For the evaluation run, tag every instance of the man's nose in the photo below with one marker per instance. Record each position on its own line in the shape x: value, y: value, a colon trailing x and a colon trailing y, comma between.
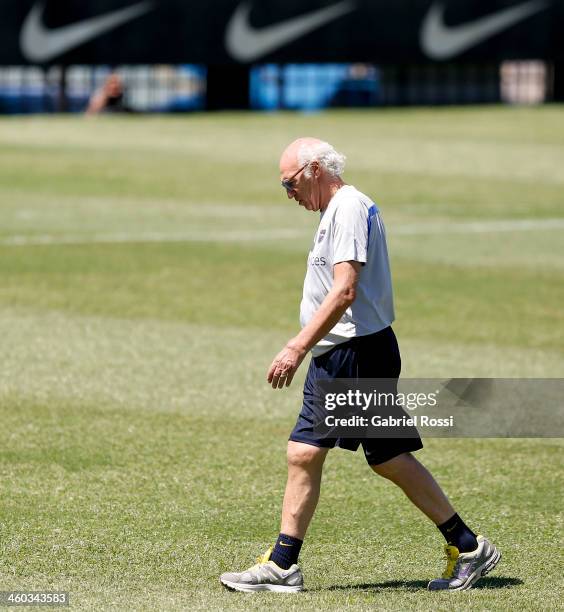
x: 290, y: 193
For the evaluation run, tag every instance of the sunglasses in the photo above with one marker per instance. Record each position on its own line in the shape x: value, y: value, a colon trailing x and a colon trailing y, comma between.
x: 290, y: 183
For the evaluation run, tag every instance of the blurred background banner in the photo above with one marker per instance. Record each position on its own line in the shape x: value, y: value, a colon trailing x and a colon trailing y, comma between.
x: 242, y: 31
x: 240, y: 54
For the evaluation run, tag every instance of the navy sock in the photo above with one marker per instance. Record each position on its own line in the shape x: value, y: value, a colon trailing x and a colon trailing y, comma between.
x: 286, y: 551
x: 457, y: 533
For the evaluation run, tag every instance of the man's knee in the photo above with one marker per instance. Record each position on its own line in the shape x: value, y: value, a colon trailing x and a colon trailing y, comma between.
x: 391, y: 468
x: 305, y: 456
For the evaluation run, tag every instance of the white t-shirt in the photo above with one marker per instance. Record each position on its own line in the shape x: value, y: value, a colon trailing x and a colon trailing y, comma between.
x: 350, y: 230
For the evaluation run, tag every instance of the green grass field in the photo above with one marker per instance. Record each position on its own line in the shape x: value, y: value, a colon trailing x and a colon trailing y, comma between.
x: 150, y: 268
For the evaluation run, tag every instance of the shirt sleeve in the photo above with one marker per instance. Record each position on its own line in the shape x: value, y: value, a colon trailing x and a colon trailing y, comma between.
x: 350, y: 232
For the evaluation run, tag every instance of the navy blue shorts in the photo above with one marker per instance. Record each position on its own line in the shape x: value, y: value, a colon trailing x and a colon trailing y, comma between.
x: 373, y: 356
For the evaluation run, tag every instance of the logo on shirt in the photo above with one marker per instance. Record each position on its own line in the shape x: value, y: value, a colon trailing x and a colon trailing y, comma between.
x: 317, y: 261
x: 321, y: 235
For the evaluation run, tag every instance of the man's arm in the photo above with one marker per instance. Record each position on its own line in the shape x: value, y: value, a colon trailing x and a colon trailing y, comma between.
x: 339, y: 298
x: 97, y: 102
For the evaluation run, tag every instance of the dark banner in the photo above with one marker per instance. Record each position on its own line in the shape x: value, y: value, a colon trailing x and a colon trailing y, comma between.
x: 251, y: 31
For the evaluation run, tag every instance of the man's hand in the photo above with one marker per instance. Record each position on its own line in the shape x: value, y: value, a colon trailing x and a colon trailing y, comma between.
x: 285, y: 364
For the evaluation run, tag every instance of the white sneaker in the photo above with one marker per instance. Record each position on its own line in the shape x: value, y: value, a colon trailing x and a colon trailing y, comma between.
x: 463, y: 570
x: 265, y: 576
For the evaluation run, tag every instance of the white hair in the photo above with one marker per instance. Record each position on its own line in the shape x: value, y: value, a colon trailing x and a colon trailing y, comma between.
x: 325, y: 154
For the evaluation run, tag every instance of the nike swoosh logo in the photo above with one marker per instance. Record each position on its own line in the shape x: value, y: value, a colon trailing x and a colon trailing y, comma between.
x: 284, y: 544
x: 40, y: 44
x: 245, y: 43
x: 441, y: 42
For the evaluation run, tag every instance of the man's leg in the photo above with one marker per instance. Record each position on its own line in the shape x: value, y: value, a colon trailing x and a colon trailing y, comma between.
x: 305, y: 465
x: 278, y: 571
x: 468, y: 557
x: 418, y: 484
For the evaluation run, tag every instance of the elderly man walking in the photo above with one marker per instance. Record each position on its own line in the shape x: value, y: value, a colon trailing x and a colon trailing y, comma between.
x: 346, y: 315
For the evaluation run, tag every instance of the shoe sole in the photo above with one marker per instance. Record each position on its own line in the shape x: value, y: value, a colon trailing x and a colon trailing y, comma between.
x: 256, y: 588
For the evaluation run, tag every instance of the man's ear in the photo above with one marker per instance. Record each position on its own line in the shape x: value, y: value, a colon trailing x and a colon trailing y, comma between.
x: 316, y: 169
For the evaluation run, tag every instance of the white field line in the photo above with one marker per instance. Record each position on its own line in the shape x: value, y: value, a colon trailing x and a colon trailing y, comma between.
x: 480, y: 227
x: 119, y: 238
x: 472, y: 227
